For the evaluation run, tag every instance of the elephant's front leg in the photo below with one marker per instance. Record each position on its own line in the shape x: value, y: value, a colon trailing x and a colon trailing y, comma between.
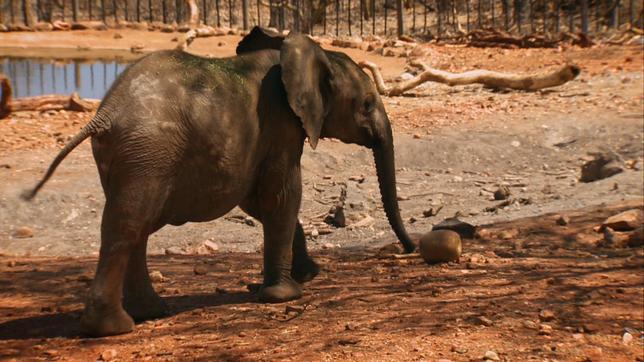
x: 279, y: 204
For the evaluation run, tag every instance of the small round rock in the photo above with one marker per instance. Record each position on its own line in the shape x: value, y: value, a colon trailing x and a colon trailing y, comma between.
x: 440, y: 246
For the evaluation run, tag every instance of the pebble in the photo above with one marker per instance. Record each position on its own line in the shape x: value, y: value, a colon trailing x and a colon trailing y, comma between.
x: 627, y: 338
x: 545, y: 330
x: 546, y: 315
x: 508, y: 234
x: 211, y: 246
x: 459, y: 349
x: 200, y: 269
x: 563, y: 220
x: 156, y: 276
x: 109, y: 354
x: 502, y: 193
x: 175, y: 250
x: 327, y: 246
x: 530, y: 324
x: 23, y: 233
x: 491, y: 356
x: 485, y: 321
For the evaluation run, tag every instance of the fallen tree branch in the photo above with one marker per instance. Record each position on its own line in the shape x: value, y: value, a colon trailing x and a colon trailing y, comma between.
x: 54, y: 102
x: 490, y: 79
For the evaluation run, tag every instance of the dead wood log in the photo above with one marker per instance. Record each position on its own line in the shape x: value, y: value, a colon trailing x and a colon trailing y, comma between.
x: 54, y: 102
x: 490, y: 79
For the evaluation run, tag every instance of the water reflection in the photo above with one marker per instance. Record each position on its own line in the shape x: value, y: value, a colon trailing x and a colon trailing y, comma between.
x: 36, y: 76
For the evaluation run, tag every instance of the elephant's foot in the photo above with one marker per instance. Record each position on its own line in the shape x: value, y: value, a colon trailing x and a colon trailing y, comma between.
x: 285, y: 290
x: 145, y: 307
x: 101, y: 322
x: 305, y: 270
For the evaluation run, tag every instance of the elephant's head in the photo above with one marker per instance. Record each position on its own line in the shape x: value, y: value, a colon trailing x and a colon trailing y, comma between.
x: 333, y: 97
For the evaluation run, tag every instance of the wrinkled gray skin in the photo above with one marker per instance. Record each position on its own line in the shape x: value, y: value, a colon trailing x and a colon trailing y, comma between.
x: 181, y: 138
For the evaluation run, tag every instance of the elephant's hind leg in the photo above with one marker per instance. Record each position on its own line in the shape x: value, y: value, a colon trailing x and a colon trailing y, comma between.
x: 140, y: 299
x: 129, y: 212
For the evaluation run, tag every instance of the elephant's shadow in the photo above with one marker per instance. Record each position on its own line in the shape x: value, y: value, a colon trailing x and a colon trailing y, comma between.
x: 65, y: 324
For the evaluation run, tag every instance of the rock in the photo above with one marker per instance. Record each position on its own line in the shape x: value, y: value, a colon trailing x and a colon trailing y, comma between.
x: 459, y: 349
x: 530, y: 325
x: 137, y: 48
x: 602, y: 166
x: 61, y: 25
x: 562, y: 220
x: 23, y: 233
x: 624, y: 221
x: 327, y: 246
x: 636, y: 238
x: 491, y: 356
x: 109, y: 354
x: 336, y: 216
x: 440, y: 246
x: 546, y: 315
x: 200, y: 269
x: 614, y: 239
x: 41, y: 26
x: 484, y: 321
x: 156, y: 276
x: 211, y: 246
x: 118, y: 36
x: 390, y: 249
x: 545, y: 330
x: 11, y: 263
x: 502, y: 193
x: 627, y: 338
x: 175, y: 250
x: 432, y: 211
x: 464, y: 229
x: 508, y: 234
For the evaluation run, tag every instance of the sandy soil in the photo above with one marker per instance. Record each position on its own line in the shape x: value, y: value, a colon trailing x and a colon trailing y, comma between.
x: 454, y: 146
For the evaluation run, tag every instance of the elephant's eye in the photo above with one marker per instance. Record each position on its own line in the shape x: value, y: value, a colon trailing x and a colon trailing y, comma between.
x: 369, y: 104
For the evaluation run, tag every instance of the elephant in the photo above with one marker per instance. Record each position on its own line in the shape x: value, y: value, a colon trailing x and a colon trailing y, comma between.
x: 182, y: 138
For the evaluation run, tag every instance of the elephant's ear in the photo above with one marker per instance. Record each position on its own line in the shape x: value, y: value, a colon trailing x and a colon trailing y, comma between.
x: 306, y: 74
x: 258, y: 39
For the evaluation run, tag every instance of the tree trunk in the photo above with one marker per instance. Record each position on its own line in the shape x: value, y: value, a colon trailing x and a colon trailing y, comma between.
x: 28, y: 12
x: 194, y: 13
x: 400, y: 17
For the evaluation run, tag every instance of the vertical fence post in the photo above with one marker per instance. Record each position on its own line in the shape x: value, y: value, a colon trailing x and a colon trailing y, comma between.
x: 401, y: 17
x: 349, y: 15
x: 138, y: 11
x: 506, y: 14
x: 614, y: 14
x: 324, y: 17
x: 75, y: 10
x: 164, y: 11
x: 204, y: 6
x: 518, y: 11
x: 361, y: 15
x: 557, y: 16
x: 631, y: 8
x: 571, y: 18
x: 230, y: 13
x: 438, y: 18
x: 480, y: 16
x: 493, y: 14
x: 245, y: 14
x: 373, y: 17
x: 62, y: 11
x: 545, y: 17
x: 425, y: 16
x: 385, y: 2
x: 218, y: 16
x: 531, y: 4
x: 126, y: 14
x: 114, y: 8
x: 453, y: 11
x: 150, y: 14
x: 467, y: 13
x: 584, y: 16
x: 598, y: 20
x: 337, y: 17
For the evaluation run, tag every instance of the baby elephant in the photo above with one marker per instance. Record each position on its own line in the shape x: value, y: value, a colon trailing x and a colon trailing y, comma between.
x: 182, y: 138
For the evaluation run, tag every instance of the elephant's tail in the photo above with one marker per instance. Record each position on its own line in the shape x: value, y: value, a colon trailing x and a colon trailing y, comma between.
x: 95, y: 127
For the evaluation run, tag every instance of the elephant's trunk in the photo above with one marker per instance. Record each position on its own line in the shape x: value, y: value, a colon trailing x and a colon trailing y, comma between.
x: 383, y: 153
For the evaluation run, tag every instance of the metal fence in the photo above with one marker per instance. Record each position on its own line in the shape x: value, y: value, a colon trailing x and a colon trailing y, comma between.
x: 438, y: 18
